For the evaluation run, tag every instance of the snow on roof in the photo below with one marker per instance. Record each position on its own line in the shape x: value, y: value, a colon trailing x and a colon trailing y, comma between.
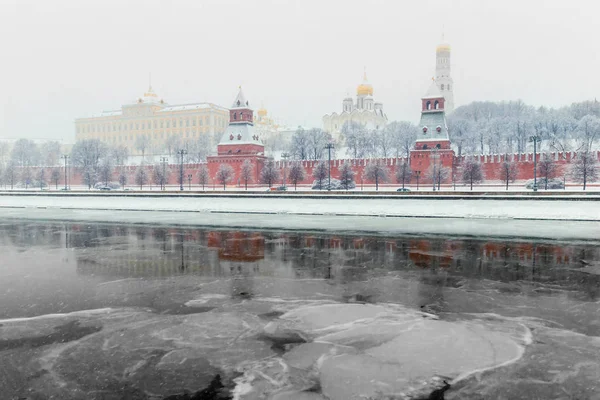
x: 240, y: 101
x: 192, y: 106
x: 433, y: 92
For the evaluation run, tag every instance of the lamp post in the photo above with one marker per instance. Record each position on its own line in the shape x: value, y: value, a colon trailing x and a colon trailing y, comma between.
x: 42, y: 179
x: 181, y: 153
x: 329, y: 146
x: 418, y: 175
x: 189, y: 182
x: 66, y: 158
x: 535, y: 139
x: 285, y: 156
x: 164, y: 160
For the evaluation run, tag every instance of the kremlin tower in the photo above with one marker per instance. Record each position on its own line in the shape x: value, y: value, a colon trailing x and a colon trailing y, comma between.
x: 239, y: 142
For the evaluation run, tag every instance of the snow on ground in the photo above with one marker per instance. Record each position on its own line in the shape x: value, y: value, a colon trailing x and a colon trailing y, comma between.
x: 557, y: 219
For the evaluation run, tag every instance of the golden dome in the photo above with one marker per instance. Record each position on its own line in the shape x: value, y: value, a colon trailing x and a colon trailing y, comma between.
x: 443, y: 47
x: 364, y: 88
x: 262, y: 112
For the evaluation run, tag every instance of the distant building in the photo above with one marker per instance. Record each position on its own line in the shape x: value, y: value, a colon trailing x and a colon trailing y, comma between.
x: 151, y: 116
x: 363, y: 111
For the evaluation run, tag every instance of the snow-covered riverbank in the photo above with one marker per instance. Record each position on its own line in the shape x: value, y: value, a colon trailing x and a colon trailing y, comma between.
x: 556, y: 219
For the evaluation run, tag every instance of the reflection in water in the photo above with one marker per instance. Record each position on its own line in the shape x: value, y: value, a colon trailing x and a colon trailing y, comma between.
x: 113, y: 252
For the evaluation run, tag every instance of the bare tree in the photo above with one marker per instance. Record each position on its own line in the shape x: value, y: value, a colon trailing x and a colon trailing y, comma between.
x: 403, y: 135
x: 141, y: 176
x: 508, y: 171
x: 10, y: 174
x: 355, y: 138
x: 437, y: 174
x: 41, y: 178
x: 471, y: 172
x: 376, y: 171
x: 548, y: 168
x: 246, y: 172
x: 317, y: 139
x: 142, y: 143
x: 403, y: 173
x: 55, y: 176
x: 296, y: 174
x: 224, y: 174
x: 320, y: 172
x: 197, y: 149
x: 26, y: 176
x: 160, y: 174
x: 346, y: 175
x: 203, y: 175
x: 584, y: 169
x: 105, y: 170
x: 269, y: 173
x: 122, y: 176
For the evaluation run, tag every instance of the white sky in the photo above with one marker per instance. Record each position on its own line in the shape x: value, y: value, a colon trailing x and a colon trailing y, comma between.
x: 63, y: 59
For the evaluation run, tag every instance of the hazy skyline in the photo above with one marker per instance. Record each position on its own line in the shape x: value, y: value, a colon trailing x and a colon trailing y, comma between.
x: 63, y: 60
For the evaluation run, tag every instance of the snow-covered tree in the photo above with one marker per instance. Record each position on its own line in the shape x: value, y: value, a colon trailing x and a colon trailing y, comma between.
x: 197, y: 149
x: 300, y: 145
x: 105, y: 170
x: 507, y: 171
x: 86, y: 156
x: 172, y: 144
x: 55, y: 176
x: 376, y: 171
x: 403, y: 173
x: 203, y: 175
x: 437, y: 174
x: 224, y: 174
x: 141, y: 176
x: 50, y: 153
x: 584, y: 168
x: 403, y: 135
x: 355, y: 138
x: 317, y: 139
x: 588, y: 131
x: 25, y: 153
x: 472, y: 172
x: 142, y: 143
x: 297, y: 173
x: 320, y: 173
x: 119, y: 154
x: 246, y: 172
x: 269, y: 174
x: 547, y: 168
x: 346, y: 176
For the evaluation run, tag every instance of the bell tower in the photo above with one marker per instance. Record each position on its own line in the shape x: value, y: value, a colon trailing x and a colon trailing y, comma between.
x: 442, y: 75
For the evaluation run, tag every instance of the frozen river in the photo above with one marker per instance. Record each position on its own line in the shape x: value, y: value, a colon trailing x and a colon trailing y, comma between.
x: 92, y: 310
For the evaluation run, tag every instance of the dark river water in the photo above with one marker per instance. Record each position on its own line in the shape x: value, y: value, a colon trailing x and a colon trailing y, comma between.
x: 54, y: 268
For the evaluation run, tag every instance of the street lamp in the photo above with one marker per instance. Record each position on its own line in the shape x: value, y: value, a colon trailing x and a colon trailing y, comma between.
x: 329, y: 146
x: 418, y: 175
x: 181, y: 153
x: 66, y: 158
x: 535, y: 139
x: 190, y: 182
x: 164, y: 160
x: 285, y: 156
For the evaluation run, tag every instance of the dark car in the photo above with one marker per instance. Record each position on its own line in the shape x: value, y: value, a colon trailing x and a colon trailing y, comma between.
x: 105, y: 188
x: 403, y: 190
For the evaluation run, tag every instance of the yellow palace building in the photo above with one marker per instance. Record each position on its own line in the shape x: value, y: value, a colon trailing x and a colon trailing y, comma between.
x: 152, y: 117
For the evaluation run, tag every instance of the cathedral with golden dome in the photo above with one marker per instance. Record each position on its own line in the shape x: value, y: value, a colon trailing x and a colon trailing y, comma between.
x: 364, y: 110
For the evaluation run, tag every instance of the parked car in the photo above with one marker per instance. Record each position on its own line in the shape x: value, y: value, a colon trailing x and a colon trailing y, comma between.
x: 104, y: 188
x: 403, y: 190
x: 282, y: 188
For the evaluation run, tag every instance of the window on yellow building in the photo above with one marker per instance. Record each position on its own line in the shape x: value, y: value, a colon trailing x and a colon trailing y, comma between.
x: 168, y: 124
x: 187, y: 122
x: 161, y: 124
x: 194, y: 122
